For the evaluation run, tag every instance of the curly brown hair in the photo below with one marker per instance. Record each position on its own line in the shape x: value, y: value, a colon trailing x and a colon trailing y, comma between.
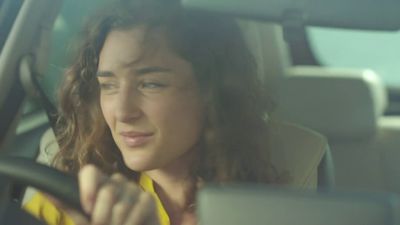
x: 233, y: 144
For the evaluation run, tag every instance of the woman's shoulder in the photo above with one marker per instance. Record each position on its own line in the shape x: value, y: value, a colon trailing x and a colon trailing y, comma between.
x: 43, y: 209
x: 296, y: 150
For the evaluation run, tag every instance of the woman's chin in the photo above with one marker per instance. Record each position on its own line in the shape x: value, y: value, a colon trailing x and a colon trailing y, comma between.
x: 139, y: 164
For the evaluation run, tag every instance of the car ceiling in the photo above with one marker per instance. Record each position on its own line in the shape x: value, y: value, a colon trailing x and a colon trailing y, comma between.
x: 354, y: 14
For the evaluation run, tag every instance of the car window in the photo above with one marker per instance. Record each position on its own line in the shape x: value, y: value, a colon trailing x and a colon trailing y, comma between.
x: 376, y: 50
x: 65, y: 29
x: 8, y: 12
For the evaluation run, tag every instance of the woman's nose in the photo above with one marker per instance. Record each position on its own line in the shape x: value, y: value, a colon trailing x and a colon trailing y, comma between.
x: 127, y: 107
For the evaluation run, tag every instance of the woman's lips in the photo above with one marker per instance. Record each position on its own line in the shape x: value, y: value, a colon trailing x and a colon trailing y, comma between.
x: 135, y: 139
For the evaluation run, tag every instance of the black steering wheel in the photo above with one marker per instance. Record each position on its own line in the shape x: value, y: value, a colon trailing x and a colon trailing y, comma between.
x: 27, y: 172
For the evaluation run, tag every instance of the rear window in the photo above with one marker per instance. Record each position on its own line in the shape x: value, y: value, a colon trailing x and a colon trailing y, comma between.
x: 375, y: 50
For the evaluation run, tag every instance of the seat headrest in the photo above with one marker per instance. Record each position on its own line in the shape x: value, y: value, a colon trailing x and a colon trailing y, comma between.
x: 339, y: 103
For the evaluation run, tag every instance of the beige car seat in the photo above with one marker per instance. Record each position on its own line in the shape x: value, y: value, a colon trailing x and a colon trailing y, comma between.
x: 347, y: 106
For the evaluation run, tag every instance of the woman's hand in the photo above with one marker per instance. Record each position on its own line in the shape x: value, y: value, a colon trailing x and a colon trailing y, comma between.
x: 112, y: 200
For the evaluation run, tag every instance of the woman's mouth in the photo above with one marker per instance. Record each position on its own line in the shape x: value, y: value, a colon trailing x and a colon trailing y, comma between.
x: 135, y: 139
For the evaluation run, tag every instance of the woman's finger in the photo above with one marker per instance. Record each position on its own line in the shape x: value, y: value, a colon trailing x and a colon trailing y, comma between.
x: 90, y: 179
x: 113, y: 200
x: 143, y: 212
x: 126, y: 202
x: 106, y: 198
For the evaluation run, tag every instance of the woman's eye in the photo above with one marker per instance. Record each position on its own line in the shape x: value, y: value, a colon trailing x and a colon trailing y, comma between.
x: 107, y: 86
x: 152, y: 85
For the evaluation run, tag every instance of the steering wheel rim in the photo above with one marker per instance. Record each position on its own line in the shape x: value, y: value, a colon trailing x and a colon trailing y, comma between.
x: 30, y: 173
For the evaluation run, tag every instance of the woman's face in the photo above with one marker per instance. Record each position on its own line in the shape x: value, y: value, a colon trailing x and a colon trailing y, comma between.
x: 149, y: 99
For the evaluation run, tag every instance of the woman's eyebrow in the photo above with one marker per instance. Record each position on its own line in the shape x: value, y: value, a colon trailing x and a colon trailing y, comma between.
x: 152, y: 69
x: 138, y: 72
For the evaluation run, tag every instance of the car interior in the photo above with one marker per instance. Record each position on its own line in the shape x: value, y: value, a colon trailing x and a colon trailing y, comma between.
x: 351, y: 112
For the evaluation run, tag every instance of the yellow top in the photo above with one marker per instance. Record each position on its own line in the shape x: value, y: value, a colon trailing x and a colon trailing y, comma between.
x: 43, y: 209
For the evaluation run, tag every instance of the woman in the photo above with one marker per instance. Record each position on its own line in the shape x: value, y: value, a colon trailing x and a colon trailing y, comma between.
x: 160, y: 101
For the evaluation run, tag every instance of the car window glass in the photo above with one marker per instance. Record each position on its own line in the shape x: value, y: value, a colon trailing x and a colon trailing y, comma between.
x: 66, y: 27
x: 8, y: 12
x: 376, y: 50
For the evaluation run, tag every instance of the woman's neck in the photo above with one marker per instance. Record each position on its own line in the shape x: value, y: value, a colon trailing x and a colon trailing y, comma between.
x: 176, y: 188
x: 176, y: 194
x: 172, y: 185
